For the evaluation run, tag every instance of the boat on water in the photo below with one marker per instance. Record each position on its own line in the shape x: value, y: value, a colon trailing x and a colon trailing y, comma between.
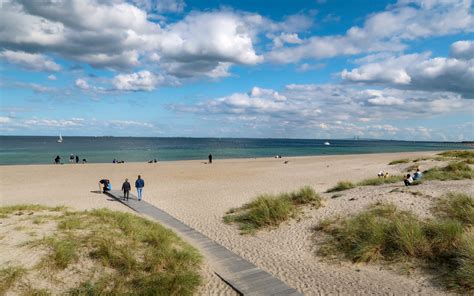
x: 60, y: 139
x: 327, y: 143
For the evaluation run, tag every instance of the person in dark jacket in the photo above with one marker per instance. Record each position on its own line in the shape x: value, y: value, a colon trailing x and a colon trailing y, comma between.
x: 106, y: 185
x: 139, y: 184
x: 210, y: 158
x: 126, y: 189
x: 57, y: 160
x: 77, y: 159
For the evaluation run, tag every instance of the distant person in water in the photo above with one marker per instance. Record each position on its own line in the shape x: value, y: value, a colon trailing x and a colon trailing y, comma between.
x: 71, y: 158
x: 139, y: 184
x: 57, y: 160
x: 210, y: 158
x: 126, y: 189
x: 106, y: 186
x: 114, y: 161
x: 77, y: 159
x: 408, y: 180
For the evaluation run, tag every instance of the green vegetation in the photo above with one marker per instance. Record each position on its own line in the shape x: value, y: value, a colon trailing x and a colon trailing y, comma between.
x: 342, y: 185
x: 380, y: 181
x: 270, y: 210
x: 28, y: 208
x: 403, y: 160
x: 9, y: 276
x: 384, y: 233
x: 458, y: 154
x: 453, y: 171
x: 130, y: 255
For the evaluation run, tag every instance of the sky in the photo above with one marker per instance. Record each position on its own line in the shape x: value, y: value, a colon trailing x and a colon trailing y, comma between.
x: 315, y: 69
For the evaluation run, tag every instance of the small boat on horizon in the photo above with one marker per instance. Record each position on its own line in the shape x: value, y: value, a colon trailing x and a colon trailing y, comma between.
x: 327, y: 143
x: 60, y: 139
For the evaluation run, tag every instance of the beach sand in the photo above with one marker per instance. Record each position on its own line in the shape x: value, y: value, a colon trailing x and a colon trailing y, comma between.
x: 199, y: 194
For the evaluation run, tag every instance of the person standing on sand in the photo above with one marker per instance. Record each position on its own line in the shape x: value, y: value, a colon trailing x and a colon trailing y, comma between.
x: 57, y: 160
x: 126, y: 189
x: 139, y: 184
x: 77, y: 159
x: 210, y: 158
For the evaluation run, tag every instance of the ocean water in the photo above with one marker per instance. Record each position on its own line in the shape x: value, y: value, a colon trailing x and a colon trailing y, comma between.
x: 42, y: 150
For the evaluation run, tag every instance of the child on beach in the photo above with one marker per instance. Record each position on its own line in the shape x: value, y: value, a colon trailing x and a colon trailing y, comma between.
x: 408, y: 180
x: 126, y: 189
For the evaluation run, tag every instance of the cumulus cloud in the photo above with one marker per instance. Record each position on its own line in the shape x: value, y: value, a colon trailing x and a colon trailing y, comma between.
x: 418, y: 71
x: 36, y: 62
x: 82, y: 84
x: 161, y: 6
x: 139, y: 81
x: 52, y: 77
x: 4, y: 119
x: 463, y: 49
x: 386, y: 31
x: 302, y: 109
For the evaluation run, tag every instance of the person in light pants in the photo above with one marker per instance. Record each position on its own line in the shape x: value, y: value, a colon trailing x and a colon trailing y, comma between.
x: 139, y: 184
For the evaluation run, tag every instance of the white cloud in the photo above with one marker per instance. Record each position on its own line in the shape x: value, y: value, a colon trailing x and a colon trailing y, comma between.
x: 161, y: 6
x: 36, y: 62
x: 52, y: 77
x: 463, y: 49
x: 139, y: 81
x: 285, y: 38
x: 418, y: 71
x: 4, y: 120
x: 82, y: 84
x: 386, y: 31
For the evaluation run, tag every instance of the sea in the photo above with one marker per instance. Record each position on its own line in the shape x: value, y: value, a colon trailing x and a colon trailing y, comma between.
x: 20, y: 150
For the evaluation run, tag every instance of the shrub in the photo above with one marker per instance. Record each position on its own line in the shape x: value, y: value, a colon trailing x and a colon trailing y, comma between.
x: 341, y: 186
x: 404, y: 160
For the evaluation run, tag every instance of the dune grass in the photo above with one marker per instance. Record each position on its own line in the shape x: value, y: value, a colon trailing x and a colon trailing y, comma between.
x: 398, y: 161
x: 380, y: 181
x: 271, y: 210
x: 341, y: 186
x: 453, y: 171
x: 9, y: 276
x: 130, y: 255
x: 6, y: 210
x: 458, y: 154
x: 383, y: 233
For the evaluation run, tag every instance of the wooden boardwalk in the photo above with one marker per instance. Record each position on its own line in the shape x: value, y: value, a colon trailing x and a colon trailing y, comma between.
x: 243, y: 276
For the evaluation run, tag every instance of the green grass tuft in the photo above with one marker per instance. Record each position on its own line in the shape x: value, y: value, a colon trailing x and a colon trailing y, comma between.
x: 458, y: 153
x: 31, y: 208
x: 341, y: 186
x: 9, y: 276
x: 453, y: 171
x: 381, y: 181
x: 270, y: 210
x: 404, y: 160
x: 384, y: 233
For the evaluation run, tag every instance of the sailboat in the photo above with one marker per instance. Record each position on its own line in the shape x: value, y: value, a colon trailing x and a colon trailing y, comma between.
x: 60, y: 139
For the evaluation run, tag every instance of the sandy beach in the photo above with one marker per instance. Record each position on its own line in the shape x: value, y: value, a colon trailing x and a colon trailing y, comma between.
x: 199, y: 194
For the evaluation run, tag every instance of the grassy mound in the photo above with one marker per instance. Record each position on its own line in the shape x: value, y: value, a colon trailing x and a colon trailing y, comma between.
x: 124, y: 254
x: 404, y: 160
x: 270, y: 210
x: 453, y: 171
x: 384, y: 233
x: 381, y: 181
x: 458, y: 154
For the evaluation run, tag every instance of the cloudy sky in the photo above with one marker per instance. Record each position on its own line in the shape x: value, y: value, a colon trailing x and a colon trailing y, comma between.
x: 284, y: 69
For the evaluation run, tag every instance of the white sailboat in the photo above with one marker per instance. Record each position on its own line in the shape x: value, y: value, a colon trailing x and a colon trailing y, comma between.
x: 60, y: 139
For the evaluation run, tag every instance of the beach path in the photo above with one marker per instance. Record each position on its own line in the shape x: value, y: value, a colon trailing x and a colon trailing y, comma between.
x: 240, y: 274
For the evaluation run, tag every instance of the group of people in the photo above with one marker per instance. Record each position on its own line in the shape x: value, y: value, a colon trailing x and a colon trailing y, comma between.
x: 118, y: 161
x: 382, y: 174
x: 126, y: 187
x: 409, y: 179
x: 72, y: 158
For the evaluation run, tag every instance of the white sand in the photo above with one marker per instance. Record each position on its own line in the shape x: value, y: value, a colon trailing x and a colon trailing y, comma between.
x: 200, y: 194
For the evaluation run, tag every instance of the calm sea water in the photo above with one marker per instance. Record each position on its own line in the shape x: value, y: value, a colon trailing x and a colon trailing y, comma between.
x: 42, y: 150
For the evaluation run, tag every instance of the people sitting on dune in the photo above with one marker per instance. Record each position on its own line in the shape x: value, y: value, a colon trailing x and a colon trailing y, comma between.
x: 408, y: 180
x: 418, y: 174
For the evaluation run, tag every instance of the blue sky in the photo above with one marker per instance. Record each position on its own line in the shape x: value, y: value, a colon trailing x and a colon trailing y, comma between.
x: 285, y: 69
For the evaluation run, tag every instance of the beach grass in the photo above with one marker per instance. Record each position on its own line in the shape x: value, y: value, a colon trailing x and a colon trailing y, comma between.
x: 9, y: 276
x: 452, y: 171
x: 466, y: 154
x: 341, y: 186
x: 6, y: 210
x: 398, y: 161
x: 383, y: 233
x: 380, y: 181
x: 129, y: 255
x: 271, y: 210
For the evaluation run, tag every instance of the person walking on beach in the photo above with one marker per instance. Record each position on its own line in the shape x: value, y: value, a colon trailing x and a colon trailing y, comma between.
x: 126, y: 189
x: 139, y: 184
x: 210, y: 158
x: 57, y: 160
x: 77, y: 159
